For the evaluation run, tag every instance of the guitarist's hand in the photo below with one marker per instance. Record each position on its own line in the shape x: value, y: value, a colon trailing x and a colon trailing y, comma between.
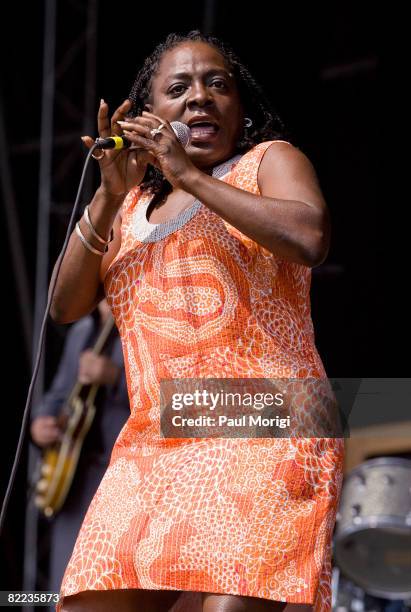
x: 97, y: 369
x: 44, y: 430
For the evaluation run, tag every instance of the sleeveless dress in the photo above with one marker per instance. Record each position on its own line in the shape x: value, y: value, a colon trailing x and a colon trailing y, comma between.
x: 194, y: 297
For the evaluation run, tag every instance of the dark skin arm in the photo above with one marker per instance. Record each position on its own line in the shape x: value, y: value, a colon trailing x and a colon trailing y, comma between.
x: 289, y: 218
x: 79, y: 287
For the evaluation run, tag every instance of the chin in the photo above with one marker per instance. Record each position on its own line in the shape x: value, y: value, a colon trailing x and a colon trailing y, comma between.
x: 209, y: 154
x: 203, y: 152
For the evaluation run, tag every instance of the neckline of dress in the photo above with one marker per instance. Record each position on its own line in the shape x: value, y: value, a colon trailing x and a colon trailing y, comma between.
x: 145, y: 231
x: 218, y: 172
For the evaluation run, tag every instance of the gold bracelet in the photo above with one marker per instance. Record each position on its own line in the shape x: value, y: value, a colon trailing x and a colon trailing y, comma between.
x: 93, y: 231
x: 87, y: 244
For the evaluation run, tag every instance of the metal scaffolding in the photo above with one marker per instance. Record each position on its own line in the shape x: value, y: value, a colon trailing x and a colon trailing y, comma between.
x: 66, y: 114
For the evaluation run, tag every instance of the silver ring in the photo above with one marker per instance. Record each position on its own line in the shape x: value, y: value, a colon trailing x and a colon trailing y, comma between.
x: 100, y: 156
x: 155, y: 131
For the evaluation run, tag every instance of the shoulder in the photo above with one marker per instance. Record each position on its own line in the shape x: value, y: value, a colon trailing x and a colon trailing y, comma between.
x: 279, y: 151
x: 260, y: 159
x: 264, y: 153
x: 285, y: 172
x: 245, y: 171
x: 280, y: 159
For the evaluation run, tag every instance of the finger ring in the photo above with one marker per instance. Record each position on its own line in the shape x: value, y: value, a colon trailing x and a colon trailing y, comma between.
x: 101, y: 156
x: 157, y: 130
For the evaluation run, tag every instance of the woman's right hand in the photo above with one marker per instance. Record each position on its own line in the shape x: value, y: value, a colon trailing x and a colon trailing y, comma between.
x: 120, y: 169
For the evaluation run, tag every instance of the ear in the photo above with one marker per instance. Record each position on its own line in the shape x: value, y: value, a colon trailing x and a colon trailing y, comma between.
x: 148, y: 107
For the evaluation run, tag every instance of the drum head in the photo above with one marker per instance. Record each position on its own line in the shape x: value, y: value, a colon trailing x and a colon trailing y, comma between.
x: 379, y: 560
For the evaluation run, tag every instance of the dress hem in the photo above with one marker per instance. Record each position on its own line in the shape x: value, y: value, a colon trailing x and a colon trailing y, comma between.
x: 187, y: 590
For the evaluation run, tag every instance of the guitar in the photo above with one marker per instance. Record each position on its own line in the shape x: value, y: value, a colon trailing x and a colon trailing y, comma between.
x: 59, y: 461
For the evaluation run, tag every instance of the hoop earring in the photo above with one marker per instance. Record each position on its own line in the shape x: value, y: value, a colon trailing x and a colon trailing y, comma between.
x: 247, y: 122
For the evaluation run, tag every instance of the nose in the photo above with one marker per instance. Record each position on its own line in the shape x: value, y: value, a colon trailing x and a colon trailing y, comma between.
x: 199, y: 95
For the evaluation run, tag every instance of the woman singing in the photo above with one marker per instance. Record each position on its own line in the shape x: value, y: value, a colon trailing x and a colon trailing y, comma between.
x: 204, y: 254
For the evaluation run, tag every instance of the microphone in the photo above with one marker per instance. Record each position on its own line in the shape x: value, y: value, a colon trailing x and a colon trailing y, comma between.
x: 181, y: 130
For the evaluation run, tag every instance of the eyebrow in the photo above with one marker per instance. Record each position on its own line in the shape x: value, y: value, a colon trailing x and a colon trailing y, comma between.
x: 183, y: 75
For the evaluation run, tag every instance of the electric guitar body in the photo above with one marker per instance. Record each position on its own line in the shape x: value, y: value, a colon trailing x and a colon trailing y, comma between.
x: 59, y: 461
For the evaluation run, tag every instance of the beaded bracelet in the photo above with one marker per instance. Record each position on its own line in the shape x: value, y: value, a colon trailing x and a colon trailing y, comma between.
x: 93, y: 231
x: 87, y: 244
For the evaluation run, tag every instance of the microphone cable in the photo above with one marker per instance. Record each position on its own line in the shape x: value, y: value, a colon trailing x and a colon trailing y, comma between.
x: 41, y: 343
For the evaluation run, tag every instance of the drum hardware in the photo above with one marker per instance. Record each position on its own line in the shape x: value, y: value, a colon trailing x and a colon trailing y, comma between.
x: 372, y: 544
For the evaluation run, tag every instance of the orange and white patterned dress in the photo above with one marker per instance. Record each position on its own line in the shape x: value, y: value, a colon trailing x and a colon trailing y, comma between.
x: 192, y: 298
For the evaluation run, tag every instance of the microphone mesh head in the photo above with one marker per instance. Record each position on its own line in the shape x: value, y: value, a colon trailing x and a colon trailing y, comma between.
x: 182, y: 131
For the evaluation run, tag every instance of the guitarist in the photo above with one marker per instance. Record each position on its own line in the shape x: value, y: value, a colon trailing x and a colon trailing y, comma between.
x: 80, y: 363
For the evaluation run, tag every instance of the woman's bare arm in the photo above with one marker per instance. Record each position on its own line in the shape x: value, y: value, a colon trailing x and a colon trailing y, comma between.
x: 79, y: 286
x: 289, y: 218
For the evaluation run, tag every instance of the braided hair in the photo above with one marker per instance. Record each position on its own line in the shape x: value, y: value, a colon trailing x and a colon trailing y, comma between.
x: 267, y: 125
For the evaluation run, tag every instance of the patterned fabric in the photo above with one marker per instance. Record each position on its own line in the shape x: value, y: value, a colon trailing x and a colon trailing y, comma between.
x: 242, y: 516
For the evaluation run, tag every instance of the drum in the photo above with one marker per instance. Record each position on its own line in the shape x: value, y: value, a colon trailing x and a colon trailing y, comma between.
x: 372, y: 541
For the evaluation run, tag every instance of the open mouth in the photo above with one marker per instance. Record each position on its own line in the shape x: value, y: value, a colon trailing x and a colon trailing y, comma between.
x: 203, y: 130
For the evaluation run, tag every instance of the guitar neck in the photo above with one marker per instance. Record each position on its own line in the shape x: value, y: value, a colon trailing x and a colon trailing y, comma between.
x: 103, y: 337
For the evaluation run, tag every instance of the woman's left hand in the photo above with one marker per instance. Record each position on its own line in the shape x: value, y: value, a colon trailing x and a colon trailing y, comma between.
x: 97, y: 369
x: 171, y: 157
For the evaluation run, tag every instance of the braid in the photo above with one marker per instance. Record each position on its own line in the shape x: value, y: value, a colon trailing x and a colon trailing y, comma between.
x: 267, y: 125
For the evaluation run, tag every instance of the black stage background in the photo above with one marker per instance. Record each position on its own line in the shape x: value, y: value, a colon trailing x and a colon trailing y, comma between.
x: 318, y: 64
